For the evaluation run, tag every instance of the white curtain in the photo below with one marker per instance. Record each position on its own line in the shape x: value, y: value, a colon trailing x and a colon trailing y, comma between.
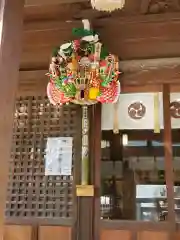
x: 146, y: 122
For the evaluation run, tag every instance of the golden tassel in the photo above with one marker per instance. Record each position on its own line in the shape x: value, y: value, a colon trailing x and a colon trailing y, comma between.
x: 74, y: 64
x: 116, y: 118
x: 156, y: 113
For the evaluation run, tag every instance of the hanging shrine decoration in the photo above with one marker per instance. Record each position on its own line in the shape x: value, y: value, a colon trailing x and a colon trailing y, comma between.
x: 107, y: 5
x: 83, y: 72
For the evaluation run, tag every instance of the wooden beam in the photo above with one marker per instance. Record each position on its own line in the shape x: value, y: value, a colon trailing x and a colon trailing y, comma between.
x: 149, y: 64
x: 141, y: 39
x: 136, y: 29
x: 147, y: 152
x: 143, y: 152
x: 150, y: 76
x: 48, y: 2
x: 144, y: 76
x: 147, y: 88
x: 142, y: 135
x: 49, y: 12
x: 151, y: 71
x: 62, y: 12
x: 32, y: 83
x: 144, y: 6
x: 168, y: 157
x: 137, y: 226
x: 11, y: 29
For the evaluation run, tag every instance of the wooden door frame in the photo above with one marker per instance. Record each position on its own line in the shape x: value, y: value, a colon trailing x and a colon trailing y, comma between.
x: 12, y: 22
x: 171, y: 226
x: 169, y: 174
x: 96, y: 168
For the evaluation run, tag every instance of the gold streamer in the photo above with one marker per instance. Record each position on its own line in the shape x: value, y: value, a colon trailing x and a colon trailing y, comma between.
x: 156, y: 113
x: 116, y: 118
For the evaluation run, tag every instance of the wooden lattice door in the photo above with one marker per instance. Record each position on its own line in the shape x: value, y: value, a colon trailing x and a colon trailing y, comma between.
x: 34, y: 199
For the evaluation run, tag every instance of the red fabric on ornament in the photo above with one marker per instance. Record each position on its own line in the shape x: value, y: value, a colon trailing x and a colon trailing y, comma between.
x: 109, y: 94
x: 55, y: 95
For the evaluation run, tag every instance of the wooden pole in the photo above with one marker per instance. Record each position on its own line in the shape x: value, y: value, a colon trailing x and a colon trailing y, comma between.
x: 96, y: 160
x: 11, y: 19
x: 168, y: 156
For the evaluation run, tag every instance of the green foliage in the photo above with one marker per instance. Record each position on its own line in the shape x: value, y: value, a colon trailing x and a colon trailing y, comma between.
x: 55, y: 51
x: 104, y: 53
x: 68, y: 89
x: 81, y: 32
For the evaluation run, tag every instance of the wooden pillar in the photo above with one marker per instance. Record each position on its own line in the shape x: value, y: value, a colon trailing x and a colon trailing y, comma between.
x: 11, y: 19
x: 129, y: 193
x: 168, y: 156
x: 115, y: 156
x: 128, y: 190
x: 96, y: 161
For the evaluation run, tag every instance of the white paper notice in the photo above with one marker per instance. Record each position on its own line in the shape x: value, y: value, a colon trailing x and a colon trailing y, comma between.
x: 58, y: 158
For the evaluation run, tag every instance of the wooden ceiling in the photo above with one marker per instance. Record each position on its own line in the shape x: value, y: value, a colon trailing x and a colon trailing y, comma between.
x: 133, y: 33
